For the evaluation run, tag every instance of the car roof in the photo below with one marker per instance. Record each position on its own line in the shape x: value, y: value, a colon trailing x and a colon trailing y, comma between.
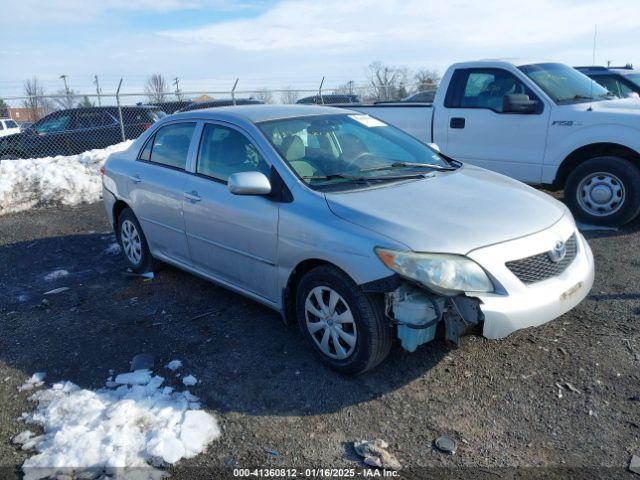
x: 260, y: 113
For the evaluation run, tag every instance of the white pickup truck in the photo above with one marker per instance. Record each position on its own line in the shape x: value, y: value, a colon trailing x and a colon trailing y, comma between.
x: 541, y: 123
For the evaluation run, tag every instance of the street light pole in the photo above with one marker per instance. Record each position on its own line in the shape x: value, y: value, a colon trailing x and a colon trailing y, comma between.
x: 97, y: 84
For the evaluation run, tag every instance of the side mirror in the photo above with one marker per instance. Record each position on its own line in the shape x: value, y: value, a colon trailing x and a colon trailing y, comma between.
x: 518, y: 103
x: 249, y: 183
x: 632, y: 95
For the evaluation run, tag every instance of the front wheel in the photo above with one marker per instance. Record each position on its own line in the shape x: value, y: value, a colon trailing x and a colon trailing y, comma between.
x: 604, y: 191
x: 345, y: 326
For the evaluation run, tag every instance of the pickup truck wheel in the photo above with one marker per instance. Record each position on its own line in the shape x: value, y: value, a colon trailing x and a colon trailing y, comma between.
x: 133, y: 243
x: 604, y: 191
x: 345, y: 326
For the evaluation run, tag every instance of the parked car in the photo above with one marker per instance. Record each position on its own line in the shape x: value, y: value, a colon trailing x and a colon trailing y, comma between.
x: 219, y: 103
x: 169, y: 107
x: 426, y: 96
x: 623, y: 82
x: 540, y: 123
x: 76, y: 130
x: 25, y: 126
x: 8, y: 127
x: 351, y: 227
x: 329, y: 99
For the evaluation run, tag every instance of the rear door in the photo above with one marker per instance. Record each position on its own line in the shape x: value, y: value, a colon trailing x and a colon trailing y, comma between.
x: 94, y: 129
x: 231, y: 237
x: 479, y: 132
x: 156, y: 187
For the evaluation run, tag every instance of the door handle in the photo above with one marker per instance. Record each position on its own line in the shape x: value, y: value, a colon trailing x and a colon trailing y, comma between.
x: 192, y: 196
x: 457, y: 122
x: 135, y: 178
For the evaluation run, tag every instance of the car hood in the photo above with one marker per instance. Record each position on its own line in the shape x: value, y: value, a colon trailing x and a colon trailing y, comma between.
x: 450, y: 212
x: 620, y: 105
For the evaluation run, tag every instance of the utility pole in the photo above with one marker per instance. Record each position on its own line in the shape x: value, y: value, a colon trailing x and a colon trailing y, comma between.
x: 176, y: 82
x: 66, y: 89
x: 98, y: 91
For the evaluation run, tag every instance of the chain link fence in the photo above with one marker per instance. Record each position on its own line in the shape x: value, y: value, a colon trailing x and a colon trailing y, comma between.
x: 70, y: 124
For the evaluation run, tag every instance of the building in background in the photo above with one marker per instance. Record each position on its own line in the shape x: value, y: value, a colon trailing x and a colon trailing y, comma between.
x: 21, y: 114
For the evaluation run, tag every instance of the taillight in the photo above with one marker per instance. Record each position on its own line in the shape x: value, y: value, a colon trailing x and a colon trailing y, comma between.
x: 146, y: 125
x: 102, y: 171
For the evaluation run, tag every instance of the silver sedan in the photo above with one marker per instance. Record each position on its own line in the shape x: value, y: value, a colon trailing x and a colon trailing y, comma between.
x: 346, y: 225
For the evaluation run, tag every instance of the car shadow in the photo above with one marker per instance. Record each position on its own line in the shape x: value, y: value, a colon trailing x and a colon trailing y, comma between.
x: 97, y: 318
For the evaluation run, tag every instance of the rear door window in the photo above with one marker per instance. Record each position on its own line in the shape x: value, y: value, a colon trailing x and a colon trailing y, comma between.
x: 11, y: 124
x: 170, y: 145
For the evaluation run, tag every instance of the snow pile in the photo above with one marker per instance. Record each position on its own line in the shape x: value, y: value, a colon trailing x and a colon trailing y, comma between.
x: 113, y: 249
x: 174, y: 365
x: 189, y: 380
x: 112, y: 429
x: 53, y: 180
x: 36, y: 380
x: 59, y: 273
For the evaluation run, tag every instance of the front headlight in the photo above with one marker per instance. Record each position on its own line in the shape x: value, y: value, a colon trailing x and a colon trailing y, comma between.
x: 441, y: 272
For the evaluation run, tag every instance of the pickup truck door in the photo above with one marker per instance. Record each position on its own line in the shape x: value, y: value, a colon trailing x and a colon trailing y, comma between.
x: 479, y: 132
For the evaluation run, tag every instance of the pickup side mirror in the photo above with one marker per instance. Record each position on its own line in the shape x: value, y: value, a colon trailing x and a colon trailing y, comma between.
x: 249, y: 183
x: 632, y: 95
x: 518, y: 103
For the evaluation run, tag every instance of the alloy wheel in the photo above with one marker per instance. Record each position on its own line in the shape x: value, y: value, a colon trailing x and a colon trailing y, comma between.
x: 131, y: 242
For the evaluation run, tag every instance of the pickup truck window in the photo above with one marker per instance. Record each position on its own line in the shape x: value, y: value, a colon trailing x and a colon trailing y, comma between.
x: 331, y: 149
x: 484, y: 88
x: 564, y: 84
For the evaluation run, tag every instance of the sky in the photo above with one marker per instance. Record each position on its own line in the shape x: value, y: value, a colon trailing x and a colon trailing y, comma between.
x: 268, y: 43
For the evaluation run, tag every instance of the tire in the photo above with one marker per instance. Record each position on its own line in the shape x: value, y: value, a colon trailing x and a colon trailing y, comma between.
x: 604, y: 191
x: 128, y: 230
x: 373, y: 333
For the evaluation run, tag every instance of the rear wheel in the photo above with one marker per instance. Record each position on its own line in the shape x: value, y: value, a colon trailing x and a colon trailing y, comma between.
x: 134, y: 243
x: 604, y: 191
x: 345, y: 326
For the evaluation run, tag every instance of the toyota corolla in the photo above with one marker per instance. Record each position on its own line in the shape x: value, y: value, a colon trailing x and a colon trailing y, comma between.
x: 350, y: 227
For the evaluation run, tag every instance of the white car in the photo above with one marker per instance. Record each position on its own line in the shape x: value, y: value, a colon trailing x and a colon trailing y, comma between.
x: 538, y: 122
x: 8, y: 127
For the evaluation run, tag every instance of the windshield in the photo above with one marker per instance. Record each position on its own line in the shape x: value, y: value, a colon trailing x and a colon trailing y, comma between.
x: 634, y: 77
x: 565, y: 84
x: 332, y: 149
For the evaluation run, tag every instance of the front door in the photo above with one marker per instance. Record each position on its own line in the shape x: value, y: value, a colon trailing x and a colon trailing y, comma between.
x: 479, y: 132
x: 156, y: 189
x: 231, y: 237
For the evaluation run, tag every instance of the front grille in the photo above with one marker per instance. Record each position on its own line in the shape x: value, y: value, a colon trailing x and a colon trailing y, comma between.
x: 540, y: 267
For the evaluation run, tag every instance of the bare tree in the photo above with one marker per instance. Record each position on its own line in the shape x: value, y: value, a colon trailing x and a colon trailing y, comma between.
x: 348, y: 88
x: 4, y: 108
x: 289, y: 95
x: 35, y: 102
x: 426, y: 79
x: 387, y: 82
x: 264, y: 95
x: 156, y: 88
x: 65, y: 99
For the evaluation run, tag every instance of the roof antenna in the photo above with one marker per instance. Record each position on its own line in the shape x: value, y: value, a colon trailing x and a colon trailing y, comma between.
x: 593, y: 62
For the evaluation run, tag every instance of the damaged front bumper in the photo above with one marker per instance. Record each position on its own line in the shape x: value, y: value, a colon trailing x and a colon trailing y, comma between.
x: 512, y: 307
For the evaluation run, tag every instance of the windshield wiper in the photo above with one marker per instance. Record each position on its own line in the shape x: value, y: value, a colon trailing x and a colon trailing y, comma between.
x: 576, y: 97
x: 355, y: 178
x: 409, y: 164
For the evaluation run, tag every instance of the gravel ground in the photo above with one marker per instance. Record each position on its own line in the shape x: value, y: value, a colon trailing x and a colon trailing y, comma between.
x: 279, y: 407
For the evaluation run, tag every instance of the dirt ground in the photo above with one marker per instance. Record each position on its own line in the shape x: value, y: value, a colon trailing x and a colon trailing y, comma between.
x: 278, y: 407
